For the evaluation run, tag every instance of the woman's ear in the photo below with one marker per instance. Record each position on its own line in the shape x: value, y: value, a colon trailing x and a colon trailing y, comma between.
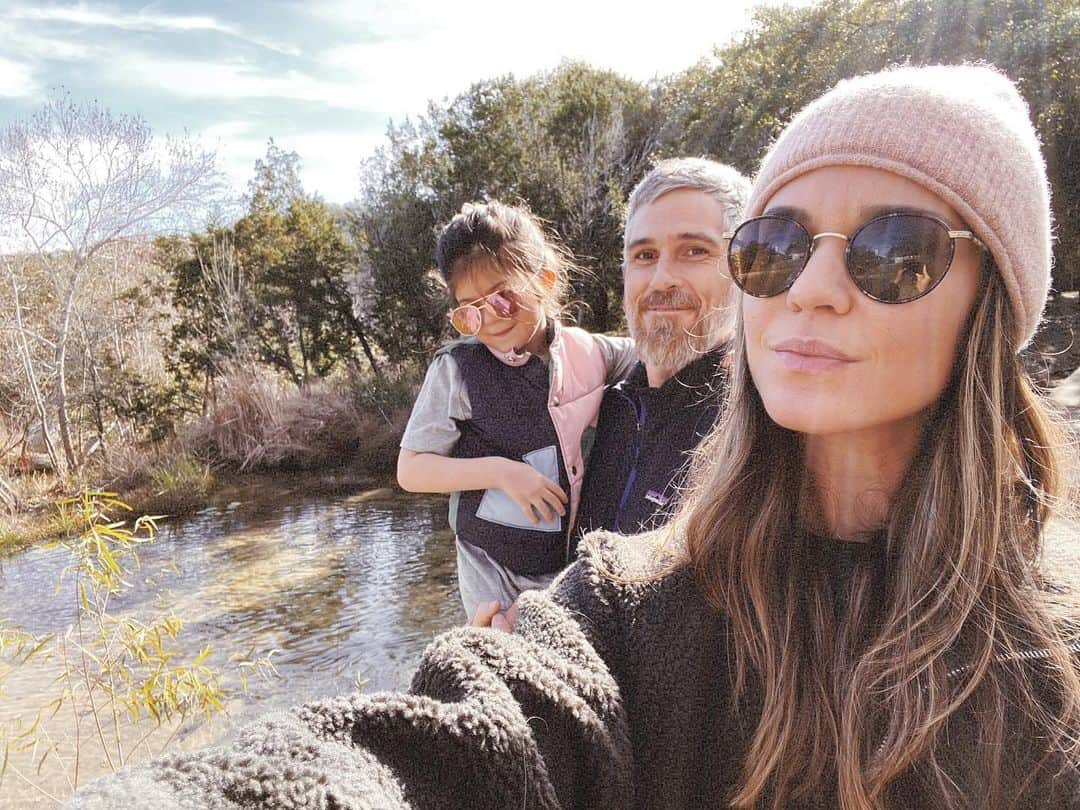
x: 547, y: 277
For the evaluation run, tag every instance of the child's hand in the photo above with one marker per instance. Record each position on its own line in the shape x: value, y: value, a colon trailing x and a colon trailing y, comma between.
x: 490, y: 614
x: 536, y: 494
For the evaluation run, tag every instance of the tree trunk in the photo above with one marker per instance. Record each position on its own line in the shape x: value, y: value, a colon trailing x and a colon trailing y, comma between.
x: 365, y: 345
x: 63, y: 421
x: 303, y: 346
x: 285, y: 361
x: 90, y: 365
x: 206, y: 393
x: 31, y: 374
x: 99, y: 417
x: 346, y: 307
x: 358, y: 330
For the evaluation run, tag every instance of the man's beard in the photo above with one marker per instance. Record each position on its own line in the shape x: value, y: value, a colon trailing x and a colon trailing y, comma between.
x: 667, y: 345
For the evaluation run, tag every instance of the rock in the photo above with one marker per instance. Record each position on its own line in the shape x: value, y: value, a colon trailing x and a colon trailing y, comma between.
x: 382, y: 493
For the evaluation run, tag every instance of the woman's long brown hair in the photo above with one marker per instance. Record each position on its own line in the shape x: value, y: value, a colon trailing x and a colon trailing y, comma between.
x: 850, y: 703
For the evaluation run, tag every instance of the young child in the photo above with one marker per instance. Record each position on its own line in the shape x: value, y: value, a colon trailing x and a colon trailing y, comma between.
x: 506, y: 415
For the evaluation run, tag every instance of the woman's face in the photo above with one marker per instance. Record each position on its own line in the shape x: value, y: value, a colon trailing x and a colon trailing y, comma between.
x: 826, y: 358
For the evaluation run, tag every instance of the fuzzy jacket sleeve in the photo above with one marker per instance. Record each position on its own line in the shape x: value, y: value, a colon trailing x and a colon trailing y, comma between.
x: 492, y: 720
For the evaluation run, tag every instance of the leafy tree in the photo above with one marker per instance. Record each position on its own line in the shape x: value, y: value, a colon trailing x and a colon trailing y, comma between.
x: 276, y: 181
x: 299, y: 262
x: 272, y: 288
x: 734, y: 104
x: 394, y: 224
x: 211, y: 303
x: 570, y: 144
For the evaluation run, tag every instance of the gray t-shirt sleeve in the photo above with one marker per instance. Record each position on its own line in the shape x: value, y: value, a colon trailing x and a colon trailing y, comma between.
x: 619, y: 356
x: 442, y: 400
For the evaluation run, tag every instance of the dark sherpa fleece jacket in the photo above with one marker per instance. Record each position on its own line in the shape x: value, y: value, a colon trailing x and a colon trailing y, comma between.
x: 608, y: 695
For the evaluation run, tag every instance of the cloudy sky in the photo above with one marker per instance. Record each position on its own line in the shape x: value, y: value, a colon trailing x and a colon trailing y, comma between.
x: 325, y: 77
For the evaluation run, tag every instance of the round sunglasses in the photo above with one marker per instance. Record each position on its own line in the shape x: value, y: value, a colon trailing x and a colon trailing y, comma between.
x: 893, y: 258
x: 468, y: 318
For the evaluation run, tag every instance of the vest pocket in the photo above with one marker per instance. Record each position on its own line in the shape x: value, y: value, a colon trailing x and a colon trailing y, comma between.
x: 498, y: 507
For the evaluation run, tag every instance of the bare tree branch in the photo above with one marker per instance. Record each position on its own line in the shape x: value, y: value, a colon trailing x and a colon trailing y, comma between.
x: 75, y: 179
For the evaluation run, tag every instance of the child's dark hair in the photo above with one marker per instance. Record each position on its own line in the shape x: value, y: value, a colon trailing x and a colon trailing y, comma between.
x: 510, y: 241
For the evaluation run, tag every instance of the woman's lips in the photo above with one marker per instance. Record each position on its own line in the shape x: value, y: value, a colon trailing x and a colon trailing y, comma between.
x: 810, y: 354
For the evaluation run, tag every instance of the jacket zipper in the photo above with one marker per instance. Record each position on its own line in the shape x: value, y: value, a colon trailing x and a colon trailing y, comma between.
x: 639, y: 418
x: 1024, y: 655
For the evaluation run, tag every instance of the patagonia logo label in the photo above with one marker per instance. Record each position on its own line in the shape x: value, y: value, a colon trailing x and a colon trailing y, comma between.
x: 659, y: 498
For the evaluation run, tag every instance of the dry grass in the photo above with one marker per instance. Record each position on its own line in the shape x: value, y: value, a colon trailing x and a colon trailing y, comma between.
x: 261, y: 424
x: 162, y: 480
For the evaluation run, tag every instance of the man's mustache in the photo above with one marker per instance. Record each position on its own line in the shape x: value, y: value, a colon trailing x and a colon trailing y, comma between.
x: 672, y: 298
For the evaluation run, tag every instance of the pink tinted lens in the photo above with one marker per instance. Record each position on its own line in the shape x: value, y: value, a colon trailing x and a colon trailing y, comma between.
x: 466, y: 320
x: 502, y: 303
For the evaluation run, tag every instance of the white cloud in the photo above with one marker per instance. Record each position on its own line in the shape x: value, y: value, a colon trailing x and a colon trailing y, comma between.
x: 143, y: 21
x: 233, y: 80
x: 16, y: 79
x: 372, y: 58
x: 396, y: 19
x: 237, y: 147
x: 226, y: 131
x: 82, y: 15
x: 330, y: 161
x: 21, y: 38
x: 448, y: 53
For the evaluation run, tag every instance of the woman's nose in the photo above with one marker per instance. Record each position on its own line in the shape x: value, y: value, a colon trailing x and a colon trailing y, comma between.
x: 824, y: 281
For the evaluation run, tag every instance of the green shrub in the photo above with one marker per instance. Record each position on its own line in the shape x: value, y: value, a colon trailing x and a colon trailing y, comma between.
x: 115, y: 673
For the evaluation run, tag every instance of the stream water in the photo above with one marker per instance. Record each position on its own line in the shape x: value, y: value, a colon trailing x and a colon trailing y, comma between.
x: 344, y: 590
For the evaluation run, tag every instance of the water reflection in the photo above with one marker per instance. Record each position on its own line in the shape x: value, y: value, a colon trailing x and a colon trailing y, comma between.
x: 341, y: 587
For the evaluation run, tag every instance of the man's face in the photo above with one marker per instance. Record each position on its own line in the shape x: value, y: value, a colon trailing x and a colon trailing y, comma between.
x: 675, y: 280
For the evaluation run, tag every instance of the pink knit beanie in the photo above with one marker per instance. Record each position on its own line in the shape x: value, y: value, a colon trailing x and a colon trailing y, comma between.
x: 964, y: 133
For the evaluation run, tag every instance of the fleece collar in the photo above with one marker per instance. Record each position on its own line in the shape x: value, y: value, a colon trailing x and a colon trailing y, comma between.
x: 687, y: 383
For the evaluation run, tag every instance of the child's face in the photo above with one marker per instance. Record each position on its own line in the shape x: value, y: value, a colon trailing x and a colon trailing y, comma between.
x: 519, y: 331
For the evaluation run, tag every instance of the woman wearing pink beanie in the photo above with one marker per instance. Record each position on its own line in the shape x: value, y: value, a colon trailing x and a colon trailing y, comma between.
x: 895, y: 259
x: 845, y: 610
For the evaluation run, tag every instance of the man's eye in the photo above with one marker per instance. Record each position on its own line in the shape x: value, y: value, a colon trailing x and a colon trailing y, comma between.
x: 697, y: 251
x: 644, y: 256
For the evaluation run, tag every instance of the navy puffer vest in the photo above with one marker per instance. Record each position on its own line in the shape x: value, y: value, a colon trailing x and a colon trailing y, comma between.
x: 510, y: 419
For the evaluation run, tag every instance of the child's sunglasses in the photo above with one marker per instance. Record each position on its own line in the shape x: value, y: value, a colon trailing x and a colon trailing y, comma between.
x: 468, y: 318
x: 893, y: 258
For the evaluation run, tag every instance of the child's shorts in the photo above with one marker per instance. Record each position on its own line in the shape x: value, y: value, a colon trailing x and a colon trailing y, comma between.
x: 481, y: 579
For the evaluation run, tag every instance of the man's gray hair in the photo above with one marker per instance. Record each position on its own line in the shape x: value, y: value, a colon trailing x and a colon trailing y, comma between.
x: 720, y: 181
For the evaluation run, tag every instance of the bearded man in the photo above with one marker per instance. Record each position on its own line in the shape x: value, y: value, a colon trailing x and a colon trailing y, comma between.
x: 677, y: 295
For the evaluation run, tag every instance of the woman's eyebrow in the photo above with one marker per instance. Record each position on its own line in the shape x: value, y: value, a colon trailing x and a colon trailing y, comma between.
x: 804, y: 218
x: 878, y: 210
x: 800, y: 215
